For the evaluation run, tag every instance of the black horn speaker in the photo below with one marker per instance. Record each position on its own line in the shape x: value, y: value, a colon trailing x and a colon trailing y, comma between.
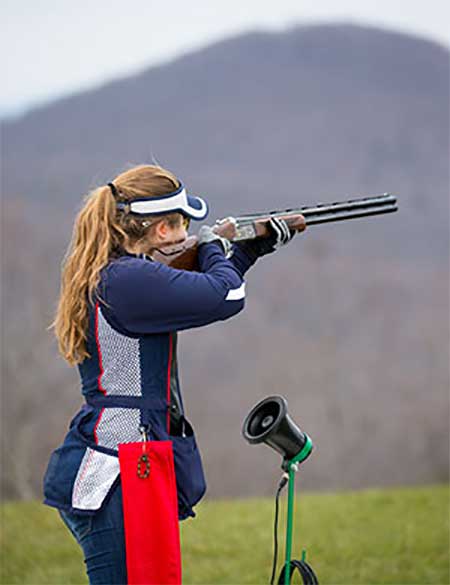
x: 269, y: 422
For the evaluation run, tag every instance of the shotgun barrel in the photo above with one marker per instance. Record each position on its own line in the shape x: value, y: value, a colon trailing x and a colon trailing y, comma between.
x: 326, y: 212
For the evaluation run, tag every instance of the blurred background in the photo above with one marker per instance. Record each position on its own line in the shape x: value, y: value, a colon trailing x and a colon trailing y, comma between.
x: 255, y: 106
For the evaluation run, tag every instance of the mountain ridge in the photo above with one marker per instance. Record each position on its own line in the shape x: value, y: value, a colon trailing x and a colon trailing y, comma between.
x: 229, y: 41
x: 255, y: 121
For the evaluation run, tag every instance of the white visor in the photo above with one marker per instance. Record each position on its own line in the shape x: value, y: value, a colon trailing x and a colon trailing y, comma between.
x: 178, y: 201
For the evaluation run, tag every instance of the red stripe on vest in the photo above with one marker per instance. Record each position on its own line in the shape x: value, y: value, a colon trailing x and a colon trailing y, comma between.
x: 99, y: 351
x: 169, y: 371
x: 99, y: 377
x: 96, y: 425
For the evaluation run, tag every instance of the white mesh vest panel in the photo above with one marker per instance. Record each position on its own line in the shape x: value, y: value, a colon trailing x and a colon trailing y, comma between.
x: 119, y: 360
x: 95, y: 477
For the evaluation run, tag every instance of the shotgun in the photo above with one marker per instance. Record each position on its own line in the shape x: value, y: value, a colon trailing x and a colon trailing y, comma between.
x: 254, y: 225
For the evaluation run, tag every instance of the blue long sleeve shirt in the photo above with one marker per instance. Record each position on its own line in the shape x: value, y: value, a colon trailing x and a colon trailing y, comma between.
x: 145, y: 297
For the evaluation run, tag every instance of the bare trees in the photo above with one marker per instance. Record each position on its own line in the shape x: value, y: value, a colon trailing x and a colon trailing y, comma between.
x: 358, y: 347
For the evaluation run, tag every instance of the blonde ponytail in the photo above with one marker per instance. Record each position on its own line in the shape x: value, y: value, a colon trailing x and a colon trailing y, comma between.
x: 100, y: 230
x: 95, y: 235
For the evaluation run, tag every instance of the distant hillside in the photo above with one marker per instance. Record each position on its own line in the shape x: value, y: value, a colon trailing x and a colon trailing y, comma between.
x: 260, y: 121
x: 350, y: 322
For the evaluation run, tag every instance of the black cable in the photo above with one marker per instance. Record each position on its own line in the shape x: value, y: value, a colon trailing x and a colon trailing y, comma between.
x: 281, y: 485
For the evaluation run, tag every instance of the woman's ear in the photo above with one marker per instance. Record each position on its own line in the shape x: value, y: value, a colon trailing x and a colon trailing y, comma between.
x: 162, y: 230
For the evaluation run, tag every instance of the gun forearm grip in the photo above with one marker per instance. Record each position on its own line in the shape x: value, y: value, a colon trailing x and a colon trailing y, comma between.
x: 296, y: 223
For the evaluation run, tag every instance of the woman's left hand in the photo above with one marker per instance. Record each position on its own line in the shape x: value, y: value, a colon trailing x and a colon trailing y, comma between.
x: 280, y: 235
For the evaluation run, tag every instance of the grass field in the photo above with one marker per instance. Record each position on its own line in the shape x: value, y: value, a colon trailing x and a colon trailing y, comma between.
x: 395, y: 536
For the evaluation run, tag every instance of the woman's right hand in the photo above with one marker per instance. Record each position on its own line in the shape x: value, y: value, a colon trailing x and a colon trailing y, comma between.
x: 207, y: 234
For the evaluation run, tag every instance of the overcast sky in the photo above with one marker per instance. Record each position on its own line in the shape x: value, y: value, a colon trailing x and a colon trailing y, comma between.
x: 54, y: 47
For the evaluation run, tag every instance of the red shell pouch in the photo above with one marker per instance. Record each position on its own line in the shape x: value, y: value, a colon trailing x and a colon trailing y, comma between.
x: 150, y: 509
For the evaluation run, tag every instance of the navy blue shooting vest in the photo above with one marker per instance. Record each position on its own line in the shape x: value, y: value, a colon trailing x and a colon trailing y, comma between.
x: 128, y: 382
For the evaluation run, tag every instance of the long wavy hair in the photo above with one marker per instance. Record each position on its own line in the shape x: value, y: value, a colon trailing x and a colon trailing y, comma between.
x: 101, y: 231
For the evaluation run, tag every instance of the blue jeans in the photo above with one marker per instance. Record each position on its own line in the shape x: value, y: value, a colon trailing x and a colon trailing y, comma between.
x: 102, y: 539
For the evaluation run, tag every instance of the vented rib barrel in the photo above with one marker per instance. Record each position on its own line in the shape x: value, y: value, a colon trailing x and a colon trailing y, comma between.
x: 326, y: 212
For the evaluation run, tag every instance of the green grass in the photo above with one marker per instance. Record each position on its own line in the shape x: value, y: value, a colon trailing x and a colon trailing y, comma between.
x: 395, y: 536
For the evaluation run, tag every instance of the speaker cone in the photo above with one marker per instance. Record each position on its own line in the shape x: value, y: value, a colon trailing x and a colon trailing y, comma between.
x: 269, y: 422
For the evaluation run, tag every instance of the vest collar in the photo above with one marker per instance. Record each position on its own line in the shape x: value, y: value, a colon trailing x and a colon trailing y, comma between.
x: 140, y: 256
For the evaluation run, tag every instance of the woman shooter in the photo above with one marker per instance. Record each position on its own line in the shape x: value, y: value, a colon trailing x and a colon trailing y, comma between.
x: 117, y: 320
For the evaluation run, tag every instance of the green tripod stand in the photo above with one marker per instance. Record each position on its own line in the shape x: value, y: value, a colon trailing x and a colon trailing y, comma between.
x: 291, y: 467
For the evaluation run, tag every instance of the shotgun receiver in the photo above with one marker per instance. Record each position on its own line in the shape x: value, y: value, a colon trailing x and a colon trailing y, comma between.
x: 254, y: 225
